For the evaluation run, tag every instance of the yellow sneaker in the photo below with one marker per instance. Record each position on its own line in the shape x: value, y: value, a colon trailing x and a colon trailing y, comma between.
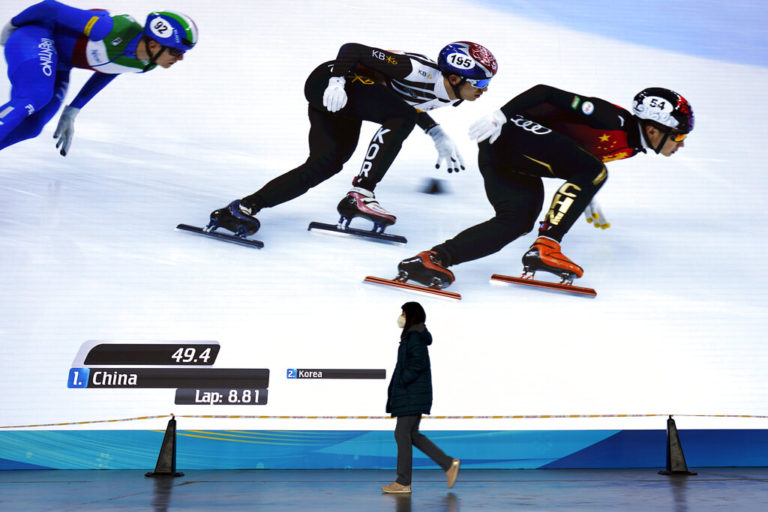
x: 396, y: 488
x: 452, y: 473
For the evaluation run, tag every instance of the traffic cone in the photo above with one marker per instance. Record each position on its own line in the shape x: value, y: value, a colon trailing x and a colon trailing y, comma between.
x: 675, y: 459
x: 166, y: 460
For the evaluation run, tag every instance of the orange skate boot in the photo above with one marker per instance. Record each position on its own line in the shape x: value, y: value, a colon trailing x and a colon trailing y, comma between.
x: 545, y: 255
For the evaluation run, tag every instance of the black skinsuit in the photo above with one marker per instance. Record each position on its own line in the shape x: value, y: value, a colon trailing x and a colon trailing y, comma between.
x: 549, y: 133
x: 388, y: 88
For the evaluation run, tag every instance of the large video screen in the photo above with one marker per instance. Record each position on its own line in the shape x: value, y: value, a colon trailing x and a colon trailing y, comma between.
x: 109, y: 312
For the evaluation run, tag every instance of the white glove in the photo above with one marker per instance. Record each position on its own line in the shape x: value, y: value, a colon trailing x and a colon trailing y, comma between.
x: 6, y: 32
x: 594, y: 216
x: 488, y: 126
x: 335, y: 97
x: 65, y: 130
x: 446, y: 150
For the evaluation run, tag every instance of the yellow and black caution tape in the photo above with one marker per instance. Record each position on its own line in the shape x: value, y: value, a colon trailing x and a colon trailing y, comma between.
x: 473, y: 417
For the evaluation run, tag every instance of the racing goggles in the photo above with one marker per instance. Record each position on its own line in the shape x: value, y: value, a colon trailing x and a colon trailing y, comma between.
x: 174, y: 52
x: 677, y: 136
x: 478, y: 83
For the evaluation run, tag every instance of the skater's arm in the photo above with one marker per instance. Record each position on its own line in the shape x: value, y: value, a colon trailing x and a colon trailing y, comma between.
x: 596, y: 112
x: 425, y: 121
x: 95, y: 24
x: 92, y: 87
x: 390, y: 64
x: 65, y: 129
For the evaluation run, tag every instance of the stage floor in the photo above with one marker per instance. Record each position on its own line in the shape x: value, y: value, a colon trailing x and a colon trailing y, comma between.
x: 731, y: 489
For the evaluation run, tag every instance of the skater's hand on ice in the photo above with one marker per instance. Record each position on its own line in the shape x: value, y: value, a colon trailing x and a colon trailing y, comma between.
x: 594, y: 216
x: 65, y: 130
x: 488, y: 126
x: 335, y: 97
x: 446, y: 150
x: 6, y: 32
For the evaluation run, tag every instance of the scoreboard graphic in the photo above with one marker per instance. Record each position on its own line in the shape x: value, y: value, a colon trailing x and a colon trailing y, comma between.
x: 187, y: 366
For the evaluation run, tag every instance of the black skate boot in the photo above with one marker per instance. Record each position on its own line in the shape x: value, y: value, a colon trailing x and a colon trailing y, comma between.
x: 427, y: 269
x: 236, y: 218
x: 545, y: 255
x: 360, y: 202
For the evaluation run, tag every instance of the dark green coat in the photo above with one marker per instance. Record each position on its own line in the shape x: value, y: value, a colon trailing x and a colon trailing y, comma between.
x: 410, y: 389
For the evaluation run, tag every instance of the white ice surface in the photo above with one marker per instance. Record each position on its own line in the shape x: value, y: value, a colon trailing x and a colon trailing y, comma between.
x: 88, y: 248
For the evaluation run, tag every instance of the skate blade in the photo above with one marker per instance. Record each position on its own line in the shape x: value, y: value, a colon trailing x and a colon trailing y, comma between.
x: 335, y: 229
x: 234, y: 239
x: 547, y: 285
x: 397, y: 283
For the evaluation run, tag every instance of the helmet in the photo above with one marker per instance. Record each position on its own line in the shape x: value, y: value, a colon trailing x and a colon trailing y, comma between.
x: 468, y: 60
x: 171, y: 29
x: 664, y: 107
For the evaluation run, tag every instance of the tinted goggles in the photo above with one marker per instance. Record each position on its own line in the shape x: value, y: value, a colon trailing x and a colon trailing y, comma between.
x: 678, y: 136
x: 174, y: 52
x: 478, y: 83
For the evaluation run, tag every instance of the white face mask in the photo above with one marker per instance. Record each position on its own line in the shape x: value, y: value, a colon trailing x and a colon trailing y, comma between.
x: 401, y: 321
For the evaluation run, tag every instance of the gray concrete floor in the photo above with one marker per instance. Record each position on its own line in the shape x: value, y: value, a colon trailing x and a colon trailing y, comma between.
x: 731, y: 489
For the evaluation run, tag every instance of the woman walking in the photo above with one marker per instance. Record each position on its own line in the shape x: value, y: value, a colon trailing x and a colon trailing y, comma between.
x: 410, y: 396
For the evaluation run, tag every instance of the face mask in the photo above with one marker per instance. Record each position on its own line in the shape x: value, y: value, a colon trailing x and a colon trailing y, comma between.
x: 401, y: 321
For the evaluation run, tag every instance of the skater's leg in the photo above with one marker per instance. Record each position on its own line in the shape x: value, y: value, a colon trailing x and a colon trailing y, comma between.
x: 585, y: 179
x: 33, y: 125
x: 516, y: 199
x: 31, y: 57
x: 376, y: 103
x: 332, y: 140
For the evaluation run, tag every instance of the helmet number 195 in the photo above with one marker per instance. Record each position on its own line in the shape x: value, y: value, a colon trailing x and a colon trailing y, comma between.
x: 461, y: 61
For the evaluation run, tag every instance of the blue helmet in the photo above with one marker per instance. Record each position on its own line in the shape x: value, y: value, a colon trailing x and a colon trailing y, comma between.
x: 470, y: 61
x: 171, y: 29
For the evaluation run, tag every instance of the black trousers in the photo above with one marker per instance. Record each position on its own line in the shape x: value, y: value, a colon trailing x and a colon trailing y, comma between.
x: 512, y: 169
x: 333, y: 138
x: 407, y: 435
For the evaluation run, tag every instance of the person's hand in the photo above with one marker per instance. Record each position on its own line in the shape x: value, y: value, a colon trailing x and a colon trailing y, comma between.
x: 488, y: 126
x: 594, y: 216
x: 6, y: 32
x: 335, y: 97
x: 65, y: 130
x: 446, y: 150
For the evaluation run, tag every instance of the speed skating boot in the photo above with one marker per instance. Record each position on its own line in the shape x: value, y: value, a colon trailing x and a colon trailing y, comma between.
x: 234, y: 217
x: 360, y: 202
x: 427, y: 269
x: 545, y: 255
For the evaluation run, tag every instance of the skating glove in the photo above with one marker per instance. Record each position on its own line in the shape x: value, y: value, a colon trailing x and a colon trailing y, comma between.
x: 594, y: 216
x: 488, y: 126
x: 446, y: 150
x: 335, y: 97
x: 6, y: 32
x: 65, y: 130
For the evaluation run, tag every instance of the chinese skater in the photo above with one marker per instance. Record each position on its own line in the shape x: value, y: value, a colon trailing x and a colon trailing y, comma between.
x: 550, y: 133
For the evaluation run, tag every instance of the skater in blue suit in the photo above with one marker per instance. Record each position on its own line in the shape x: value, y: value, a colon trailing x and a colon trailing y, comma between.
x: 46, y: 40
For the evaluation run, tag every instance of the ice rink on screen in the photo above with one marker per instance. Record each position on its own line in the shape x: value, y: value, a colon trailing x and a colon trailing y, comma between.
x: 88, y: 248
